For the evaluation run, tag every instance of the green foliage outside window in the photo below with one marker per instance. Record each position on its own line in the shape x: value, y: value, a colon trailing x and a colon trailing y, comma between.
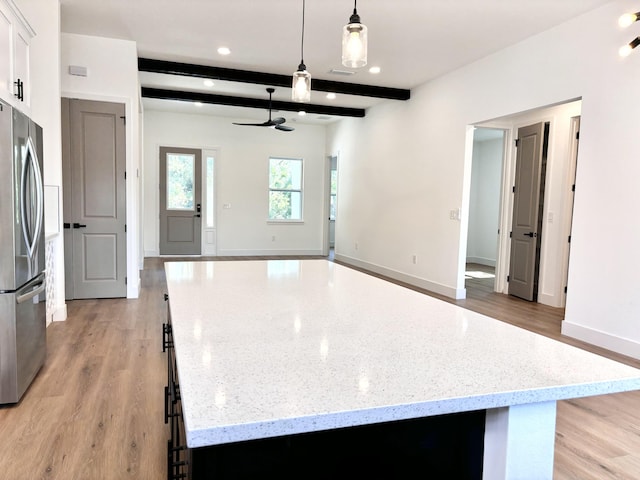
x: 180, y: 173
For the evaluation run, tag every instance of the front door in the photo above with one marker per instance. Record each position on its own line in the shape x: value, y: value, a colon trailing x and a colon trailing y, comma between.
x: 94, y: 198
x: 525, y: 232
x: 180, y: 201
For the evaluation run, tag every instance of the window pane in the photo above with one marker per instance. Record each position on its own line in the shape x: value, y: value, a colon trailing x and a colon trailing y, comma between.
x: 334, y: 182
x: 285, y: 174
x: 180, y: 181
x: 285, y: 205
x: 209, y: 207
x: 332, y: 208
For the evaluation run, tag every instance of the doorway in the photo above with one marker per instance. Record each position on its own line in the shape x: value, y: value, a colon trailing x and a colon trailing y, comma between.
x: 484, y: 207
x: 94, y: 202
x: 180, y: 201
x: 555, y: 218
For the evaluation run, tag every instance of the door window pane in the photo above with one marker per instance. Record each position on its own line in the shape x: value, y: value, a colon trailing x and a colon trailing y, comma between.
x: 180, y: 181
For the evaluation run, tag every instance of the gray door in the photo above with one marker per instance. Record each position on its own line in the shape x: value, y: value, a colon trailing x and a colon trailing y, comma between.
x: 525, y: 233
x: 180, y: 201
x: 95, y: 206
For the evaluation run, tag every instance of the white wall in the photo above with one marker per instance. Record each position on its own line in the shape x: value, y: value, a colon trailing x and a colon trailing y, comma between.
x: 112, y: 67
x: 44, y: 52
x: 484, y: 204
x: 415, y: 159
x: 241, y: 181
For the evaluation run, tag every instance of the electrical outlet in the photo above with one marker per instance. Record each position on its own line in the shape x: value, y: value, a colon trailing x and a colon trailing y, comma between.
x: 356, y: 245
x: 273, y: 238
x: 415, y: 259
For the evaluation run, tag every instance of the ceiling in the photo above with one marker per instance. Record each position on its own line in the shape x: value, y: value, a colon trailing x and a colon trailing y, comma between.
x: 412, y: 41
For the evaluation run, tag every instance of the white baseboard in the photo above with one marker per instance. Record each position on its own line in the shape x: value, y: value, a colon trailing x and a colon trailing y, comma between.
x: 250, y: 253
x: 621, y: 345
x: 482, y: 261
x: 550, y: 300
x: 60, y: 314
x: 457, y: 294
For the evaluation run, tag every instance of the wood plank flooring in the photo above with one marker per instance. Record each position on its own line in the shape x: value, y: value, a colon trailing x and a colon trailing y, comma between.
x: 95, y: 411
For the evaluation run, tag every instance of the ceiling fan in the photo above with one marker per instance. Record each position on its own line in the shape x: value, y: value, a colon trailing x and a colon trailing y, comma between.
x: 276, y: 123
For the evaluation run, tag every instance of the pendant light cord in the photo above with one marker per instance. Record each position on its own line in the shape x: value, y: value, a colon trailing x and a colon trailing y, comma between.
x: 302, y: 42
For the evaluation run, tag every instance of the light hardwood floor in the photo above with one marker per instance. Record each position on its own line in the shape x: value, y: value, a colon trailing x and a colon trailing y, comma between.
x: 95, y: 411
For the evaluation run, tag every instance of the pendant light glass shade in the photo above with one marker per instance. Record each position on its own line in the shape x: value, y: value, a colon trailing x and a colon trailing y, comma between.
x: 354, y: 42
x: 301, y: 87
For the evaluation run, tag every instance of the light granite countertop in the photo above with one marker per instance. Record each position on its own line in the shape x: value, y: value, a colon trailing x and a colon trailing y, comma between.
x: 279, y: 347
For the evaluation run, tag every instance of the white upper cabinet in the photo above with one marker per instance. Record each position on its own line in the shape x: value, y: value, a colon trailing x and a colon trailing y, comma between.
x: 15, y: 36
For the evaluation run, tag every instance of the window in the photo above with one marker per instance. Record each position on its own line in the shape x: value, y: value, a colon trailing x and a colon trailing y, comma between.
x: 180, y: 181
x: 209, y: 205
x: 333, y: 194
x: 285, y: 189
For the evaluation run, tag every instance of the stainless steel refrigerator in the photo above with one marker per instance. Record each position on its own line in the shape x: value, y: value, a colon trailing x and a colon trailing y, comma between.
x: 22, y: 255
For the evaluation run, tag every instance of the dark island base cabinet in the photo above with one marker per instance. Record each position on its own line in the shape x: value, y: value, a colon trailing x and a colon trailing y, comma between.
x: 448, y: 446
x: 439, y: 447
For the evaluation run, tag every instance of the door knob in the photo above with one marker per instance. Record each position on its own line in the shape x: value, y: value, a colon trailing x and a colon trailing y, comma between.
x: 77, y: 225
x: 531, y: 234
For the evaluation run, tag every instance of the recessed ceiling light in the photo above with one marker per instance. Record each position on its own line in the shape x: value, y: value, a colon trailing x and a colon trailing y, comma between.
x: 198, y: 104
x: 375, y: 70
x: 224, y: 51
x: 302, y: 113
x: 331, y: 96
x: 208, y: 83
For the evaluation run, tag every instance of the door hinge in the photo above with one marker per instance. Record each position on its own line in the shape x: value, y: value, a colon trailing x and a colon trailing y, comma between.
x: 578, y: 135
x: 510, y: 234
x: 573, y: 187
x: 569, y: 239
x: 125, y: 228
x: 513, y: 189
x: 517, y: 142
x: 124, y: 119
x: 125, y: 280
x: 565, y: 289
x: 508, y: 278
x: 125, y: 174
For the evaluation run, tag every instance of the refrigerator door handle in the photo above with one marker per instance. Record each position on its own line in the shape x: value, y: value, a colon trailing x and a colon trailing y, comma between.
x: 31, y: 232
x: 36, y: 282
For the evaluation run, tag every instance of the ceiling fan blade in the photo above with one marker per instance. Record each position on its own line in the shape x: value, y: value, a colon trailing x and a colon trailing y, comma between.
x: 284, y: 128
x: 265, y: 124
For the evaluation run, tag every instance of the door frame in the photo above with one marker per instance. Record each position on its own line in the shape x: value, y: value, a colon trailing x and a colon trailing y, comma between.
x: 131, y: 287
x: 133, y: 154
x: 560, y: 186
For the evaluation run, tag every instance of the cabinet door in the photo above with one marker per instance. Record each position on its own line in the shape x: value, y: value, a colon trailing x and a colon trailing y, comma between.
x: 6, y: 83
x: 21, y: 64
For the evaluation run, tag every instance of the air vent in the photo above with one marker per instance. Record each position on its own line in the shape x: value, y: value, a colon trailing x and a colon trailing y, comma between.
x: 344, y: 73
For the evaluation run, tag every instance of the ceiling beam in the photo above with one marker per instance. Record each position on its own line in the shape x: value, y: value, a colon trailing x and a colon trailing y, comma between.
x: 269, y: 79
x: 183, y: 96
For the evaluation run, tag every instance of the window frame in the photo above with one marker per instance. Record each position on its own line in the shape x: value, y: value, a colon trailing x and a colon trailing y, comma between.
x: 292, y: 190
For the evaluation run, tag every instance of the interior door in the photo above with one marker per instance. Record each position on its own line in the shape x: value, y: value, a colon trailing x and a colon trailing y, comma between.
x: 525, y: 233
x: 180, y: 201
x: 95, y: 201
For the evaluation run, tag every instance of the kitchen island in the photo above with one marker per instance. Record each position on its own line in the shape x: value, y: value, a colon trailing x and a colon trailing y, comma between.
x: 291, y: 363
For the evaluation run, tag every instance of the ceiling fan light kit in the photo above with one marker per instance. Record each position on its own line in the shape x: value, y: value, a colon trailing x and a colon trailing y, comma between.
x: 354, y: 41
x: 625, y: 21
x: 301, y: 85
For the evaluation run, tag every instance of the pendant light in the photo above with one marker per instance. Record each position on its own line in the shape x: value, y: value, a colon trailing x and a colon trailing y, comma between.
x: 301, y: 87
x: 354, y: 41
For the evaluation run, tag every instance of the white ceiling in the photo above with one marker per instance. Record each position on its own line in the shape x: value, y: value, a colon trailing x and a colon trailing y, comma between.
x: 412, y: 41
